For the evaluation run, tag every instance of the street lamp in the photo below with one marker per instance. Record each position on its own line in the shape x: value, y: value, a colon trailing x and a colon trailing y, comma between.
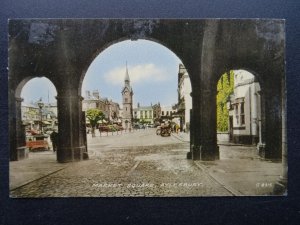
x: 41, y: 105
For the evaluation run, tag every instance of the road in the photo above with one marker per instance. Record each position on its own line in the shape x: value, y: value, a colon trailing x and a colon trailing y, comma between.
x: 138, y: 163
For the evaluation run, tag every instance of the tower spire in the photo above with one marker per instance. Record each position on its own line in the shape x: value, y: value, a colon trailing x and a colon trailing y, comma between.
x: 127, y: 79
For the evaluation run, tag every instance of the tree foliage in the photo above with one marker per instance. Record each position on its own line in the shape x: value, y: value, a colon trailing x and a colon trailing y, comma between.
x: 94, y: 115
x: 225, y: 89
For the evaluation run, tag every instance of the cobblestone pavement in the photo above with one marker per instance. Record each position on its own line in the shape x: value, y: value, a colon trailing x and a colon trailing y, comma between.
x: 140, y: 163
x: 134, y: 164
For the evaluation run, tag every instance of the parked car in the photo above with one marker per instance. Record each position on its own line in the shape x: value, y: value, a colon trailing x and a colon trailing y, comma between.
x: 139, y: 126
x: 136, y: 126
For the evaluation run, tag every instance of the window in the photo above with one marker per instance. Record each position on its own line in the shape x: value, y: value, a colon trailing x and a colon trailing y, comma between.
x: 242, y: 107
x: 162, y: 113
x: 126, y: 100
x: 237, y: 113
x: 242, y: 114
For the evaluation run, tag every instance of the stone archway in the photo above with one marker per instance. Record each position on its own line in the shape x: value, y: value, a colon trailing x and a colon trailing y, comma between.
x: 243, y: 95
x: 17, y: 138
x: 62, y: 49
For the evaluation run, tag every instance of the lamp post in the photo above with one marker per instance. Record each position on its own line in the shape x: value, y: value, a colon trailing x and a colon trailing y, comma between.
x: 41, y: 105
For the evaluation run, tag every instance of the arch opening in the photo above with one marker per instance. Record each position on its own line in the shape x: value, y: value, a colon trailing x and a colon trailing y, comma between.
x: 158, y: 92
x: 38, y: 114
x: 240, y: 111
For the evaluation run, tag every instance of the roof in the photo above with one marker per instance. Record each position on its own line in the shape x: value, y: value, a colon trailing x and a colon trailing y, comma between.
x: 143, y: 108
x: 29, y: 105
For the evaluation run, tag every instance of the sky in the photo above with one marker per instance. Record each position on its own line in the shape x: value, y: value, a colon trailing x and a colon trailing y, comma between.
x: 152, y: 68
x: 37, y: 88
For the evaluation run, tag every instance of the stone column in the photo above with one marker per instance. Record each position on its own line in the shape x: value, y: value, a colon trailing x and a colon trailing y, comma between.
x: 18, y: 149
x: 254, y: 113
x: 209, y: 147
x: 273, y: 124
x: 203, y: 134
x: 261, y: 124
x: 204, y: 146
x: 280, y: 186
x: 70, y: 141
x: 192, y: 135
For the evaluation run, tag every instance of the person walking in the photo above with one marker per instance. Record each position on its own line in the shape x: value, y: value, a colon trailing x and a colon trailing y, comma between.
x: 54, y: 140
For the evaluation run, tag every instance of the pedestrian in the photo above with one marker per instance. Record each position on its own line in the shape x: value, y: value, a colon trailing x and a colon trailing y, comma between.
x: 177, y: 128
x: 54, y: 140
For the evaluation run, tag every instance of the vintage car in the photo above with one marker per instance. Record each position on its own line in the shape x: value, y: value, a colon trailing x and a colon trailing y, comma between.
x: 37, y: 142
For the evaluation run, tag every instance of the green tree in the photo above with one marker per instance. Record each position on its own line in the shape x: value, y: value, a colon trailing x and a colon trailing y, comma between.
x: 225, y: 89
x: 94, y: 115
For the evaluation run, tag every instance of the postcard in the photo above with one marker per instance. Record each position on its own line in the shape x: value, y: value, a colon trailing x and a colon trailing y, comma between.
x: 147, y: 107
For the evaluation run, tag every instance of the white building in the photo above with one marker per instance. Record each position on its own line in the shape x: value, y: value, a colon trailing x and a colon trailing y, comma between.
x: 184, y: 98
x: 167, y: 111
x: 244, y: 109
x: 143, y: 113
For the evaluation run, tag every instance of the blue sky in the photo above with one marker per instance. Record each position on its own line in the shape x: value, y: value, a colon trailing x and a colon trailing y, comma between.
x: 152, y: 69
x: 37, y: 88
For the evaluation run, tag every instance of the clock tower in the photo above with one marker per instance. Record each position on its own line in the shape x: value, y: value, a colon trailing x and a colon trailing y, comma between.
x: 127, y: 94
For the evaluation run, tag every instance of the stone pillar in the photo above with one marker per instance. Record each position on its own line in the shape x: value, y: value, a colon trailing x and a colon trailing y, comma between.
x: 261, y: 124
x: 273, y: 125
x: 195, y: 135
x: 280, y: 186
x: 204, y: 146
x: 209, y: 147
x: 203, y: 134
x: 70, y: 141
x: 18, y: 148
x: 254, y: 112
x: 192, y: 129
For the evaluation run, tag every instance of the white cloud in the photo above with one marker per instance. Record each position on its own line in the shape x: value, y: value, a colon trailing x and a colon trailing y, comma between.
x: 137, y: 74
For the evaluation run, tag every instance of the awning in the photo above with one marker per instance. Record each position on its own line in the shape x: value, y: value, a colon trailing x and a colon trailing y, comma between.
x: 46, y: 122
